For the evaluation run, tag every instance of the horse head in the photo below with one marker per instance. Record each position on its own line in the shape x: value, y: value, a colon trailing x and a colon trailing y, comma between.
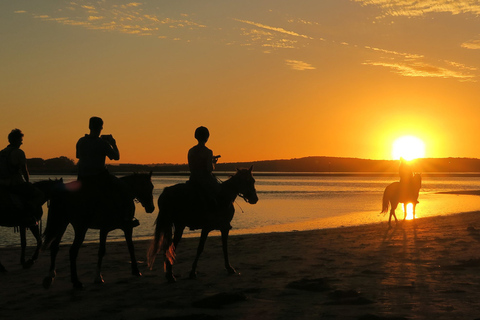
x: 48, y: 187
x: 246, y: 185
x: 143, y: 190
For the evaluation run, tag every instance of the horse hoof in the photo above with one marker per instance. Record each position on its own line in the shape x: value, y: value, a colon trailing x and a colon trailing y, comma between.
x: 28, y: 264
x: 47, y: 282
x: 171, y: 278
x: 230, y: 270
x: 78, y: 285
x: 99, y: 280
x: 193, y: 275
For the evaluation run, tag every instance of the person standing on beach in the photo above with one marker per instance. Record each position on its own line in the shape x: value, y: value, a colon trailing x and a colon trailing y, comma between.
x: 92, y: 151
x: 15, y: 177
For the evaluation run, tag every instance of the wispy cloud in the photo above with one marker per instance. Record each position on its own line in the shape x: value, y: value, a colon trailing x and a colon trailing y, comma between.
x: 421, y: 7
x: 299, y: 65
x: 129, y: 18
x: 276, y: 29
x: 419, y: 69
x: 472, y: 44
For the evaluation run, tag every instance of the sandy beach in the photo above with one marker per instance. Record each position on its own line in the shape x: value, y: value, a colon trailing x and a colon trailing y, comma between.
x: 423, y: 269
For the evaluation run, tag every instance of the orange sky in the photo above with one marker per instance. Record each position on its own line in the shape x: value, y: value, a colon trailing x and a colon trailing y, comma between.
x: 271, y: 80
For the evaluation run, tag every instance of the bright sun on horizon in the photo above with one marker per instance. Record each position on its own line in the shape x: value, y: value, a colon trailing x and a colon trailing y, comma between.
x: 408, y: 148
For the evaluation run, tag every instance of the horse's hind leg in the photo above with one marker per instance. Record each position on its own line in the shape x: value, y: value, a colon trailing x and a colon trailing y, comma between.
x: 77, y: 242
x: 201, y: 246
x: 393, y: 207
x: 131, y: 249
x: 168, y: 265
x: 229, y: 268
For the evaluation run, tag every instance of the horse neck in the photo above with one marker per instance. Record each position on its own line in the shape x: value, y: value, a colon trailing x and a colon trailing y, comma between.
x: 229, y: 188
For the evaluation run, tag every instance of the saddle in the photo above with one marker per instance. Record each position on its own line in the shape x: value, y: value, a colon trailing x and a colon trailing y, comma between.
x: 14, y: 209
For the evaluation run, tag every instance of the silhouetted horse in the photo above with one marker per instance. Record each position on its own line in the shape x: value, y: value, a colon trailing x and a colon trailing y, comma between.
x: 395, y: 194
x: 83, y: 212
x: 13, y: 214
x: 179, y: 207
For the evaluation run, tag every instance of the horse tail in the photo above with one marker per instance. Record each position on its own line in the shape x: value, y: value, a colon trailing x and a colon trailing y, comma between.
x: 385, y: 200
x: 163, y: 238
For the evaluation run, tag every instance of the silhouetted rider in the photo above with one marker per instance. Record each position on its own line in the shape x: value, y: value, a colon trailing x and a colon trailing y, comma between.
x: 15, y: 178
x: 92, y: 150
x: 201, y: 163
x: 406, y: 174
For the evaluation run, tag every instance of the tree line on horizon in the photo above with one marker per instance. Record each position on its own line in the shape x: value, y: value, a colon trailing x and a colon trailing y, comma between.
x: 318, y: 164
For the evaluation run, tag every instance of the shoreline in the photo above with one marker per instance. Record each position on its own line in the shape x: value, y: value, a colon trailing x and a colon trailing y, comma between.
x: 422, y: 269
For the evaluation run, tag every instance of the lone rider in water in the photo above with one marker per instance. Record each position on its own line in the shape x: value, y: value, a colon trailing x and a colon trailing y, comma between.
x: 92, y: 150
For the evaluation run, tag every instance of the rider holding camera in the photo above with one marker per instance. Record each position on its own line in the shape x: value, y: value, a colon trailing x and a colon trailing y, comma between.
x: 92, y: 149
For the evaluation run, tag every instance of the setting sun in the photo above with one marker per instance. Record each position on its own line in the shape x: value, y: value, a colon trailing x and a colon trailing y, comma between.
x: 408, y: 148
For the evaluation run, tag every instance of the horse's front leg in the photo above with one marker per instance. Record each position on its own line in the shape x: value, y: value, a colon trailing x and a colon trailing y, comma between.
x: 131, y: 249
x: 23, y: 245
x: 201, y: 246
x: 101, y: 253
x: 414, y: 205
x: 77, y: 242
x: 229, y: 268
x: 54, y: 247
x: 36, y: 233
x: 405, y: 211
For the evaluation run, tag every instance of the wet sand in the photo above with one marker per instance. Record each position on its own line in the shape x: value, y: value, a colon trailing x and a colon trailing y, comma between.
x: 423, y: 269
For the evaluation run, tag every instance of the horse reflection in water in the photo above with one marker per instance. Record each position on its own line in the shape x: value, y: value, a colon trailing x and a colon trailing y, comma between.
x: 82, y: 212
x: 13, y: 213
x: 395, y: 193
x: 179, y: 207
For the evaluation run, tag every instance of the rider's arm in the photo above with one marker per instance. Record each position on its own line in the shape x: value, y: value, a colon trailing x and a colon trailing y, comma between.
x: 112, y: 150
x: 20, y: 160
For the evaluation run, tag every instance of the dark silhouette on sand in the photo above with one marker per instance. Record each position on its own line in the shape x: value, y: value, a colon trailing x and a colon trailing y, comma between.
x: 97, y: 200
x: 20, y: 200
x: 84, y: 212
x: 179, y: 207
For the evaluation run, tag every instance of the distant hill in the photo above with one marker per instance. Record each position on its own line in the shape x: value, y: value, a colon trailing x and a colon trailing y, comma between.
x: 300, y: 165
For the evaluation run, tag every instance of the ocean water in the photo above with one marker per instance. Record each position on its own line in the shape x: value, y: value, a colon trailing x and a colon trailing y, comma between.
x: 290, y: 203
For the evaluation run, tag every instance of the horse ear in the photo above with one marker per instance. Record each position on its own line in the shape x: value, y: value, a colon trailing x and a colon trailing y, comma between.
x: 251, y: 168
x: 151, y: 172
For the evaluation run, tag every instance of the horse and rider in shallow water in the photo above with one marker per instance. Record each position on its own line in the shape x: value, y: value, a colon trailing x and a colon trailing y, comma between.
x: 404, y: 191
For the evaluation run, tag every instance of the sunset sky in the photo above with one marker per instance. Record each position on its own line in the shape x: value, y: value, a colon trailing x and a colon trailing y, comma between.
x: 270, y: 79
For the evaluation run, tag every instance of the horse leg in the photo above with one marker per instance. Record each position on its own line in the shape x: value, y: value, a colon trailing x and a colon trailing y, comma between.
x: 393, y: 207
x: 23, y: 244
x: 201, y: 245
x: 168, y: 266
x: 2, y: 268
x: 101, y: 253
x: 77, y: 242
x: 36, y: 233
x: 131, y: 249
x: 229, y: 268
x: 405, y: 211
x: 414, y: 205
x: 54, y: 247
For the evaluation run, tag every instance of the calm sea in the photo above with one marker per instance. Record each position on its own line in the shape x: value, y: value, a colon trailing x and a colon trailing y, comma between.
x: 288, y: 203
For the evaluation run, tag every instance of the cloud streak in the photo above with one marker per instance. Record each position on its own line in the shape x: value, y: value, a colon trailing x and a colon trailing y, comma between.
x: 422, y: 7
x: 299, y: 65
x: 276, y: 29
